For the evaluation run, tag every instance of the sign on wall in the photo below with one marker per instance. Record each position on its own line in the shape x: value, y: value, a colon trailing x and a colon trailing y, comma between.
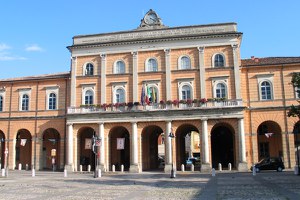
x: 88, y: 143
x: 120, y: 143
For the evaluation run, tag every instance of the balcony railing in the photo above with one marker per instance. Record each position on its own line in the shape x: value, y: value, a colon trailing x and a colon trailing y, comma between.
x: 154, y: 106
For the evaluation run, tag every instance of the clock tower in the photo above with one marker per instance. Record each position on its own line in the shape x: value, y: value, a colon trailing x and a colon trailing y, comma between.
x: 151, y: 20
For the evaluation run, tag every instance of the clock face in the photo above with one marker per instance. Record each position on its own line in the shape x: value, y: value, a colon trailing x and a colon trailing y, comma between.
x: 151, y: 18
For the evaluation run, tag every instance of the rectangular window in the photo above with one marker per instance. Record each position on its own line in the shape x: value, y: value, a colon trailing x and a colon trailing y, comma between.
x: 1, y: 103
x: 297, y: 93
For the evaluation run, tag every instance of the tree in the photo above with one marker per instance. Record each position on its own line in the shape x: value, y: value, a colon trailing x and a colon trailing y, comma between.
x: 295, y: 110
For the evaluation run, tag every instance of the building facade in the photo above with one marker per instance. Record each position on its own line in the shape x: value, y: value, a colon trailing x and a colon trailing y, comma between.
x: 133, y: 89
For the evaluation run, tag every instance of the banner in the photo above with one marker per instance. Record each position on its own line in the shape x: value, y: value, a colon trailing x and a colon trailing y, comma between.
x: 23, y: 142
x: 88, y: 143
x: 120, y: 143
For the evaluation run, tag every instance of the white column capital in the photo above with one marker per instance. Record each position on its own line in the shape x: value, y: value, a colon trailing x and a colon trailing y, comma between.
x: 103, y: 56
x: 167, y: 51
x: 134, y: 53
x: 235, y: 46
x: 201, y: 49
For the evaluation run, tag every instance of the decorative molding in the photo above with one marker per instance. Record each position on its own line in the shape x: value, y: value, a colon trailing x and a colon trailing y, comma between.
x: 103, y: 56
x: 201, y: 49
x: 114, y: 84
x: 167, y: 51
x: 235, y: 46
x: 134, y: 53
x: 190, y: 80
x: 156, y: 82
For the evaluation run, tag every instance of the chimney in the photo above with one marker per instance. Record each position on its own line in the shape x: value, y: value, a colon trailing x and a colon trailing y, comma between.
x: 256, y: 60
x: 252, y: 57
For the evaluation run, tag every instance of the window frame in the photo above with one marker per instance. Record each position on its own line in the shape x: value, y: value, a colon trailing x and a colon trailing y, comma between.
x: 91, y: 100
x: 50, y: 90
x: 214, y: 57
x: 180, y: 65
x: 261, y: 90
x: 116, y: 69
x: 22, y: 92
x: 180, y: 89
x: 220, y: 80
x: 25, y: 101
x: 147, y: 69
x: 122, y: 88
x: 1, y: 103
x: 85, y: 69
x: 51, y: 105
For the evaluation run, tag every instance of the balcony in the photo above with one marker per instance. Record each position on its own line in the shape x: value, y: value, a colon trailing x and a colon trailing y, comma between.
x: 155, y: 107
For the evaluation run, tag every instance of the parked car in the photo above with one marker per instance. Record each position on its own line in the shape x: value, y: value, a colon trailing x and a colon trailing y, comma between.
x: 195, y: 161
x: 272, y: 163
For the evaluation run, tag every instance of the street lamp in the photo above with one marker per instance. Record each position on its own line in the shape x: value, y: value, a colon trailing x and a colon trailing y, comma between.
x: 173, y: 175
x: 96, y: 143
x: 296, y: 132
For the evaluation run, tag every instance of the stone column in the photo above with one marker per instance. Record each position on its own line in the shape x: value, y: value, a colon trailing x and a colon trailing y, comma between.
x: 168, y: 148
x: 102, y: 147
x: 202, y: 72
x: 135, y: 76
x: 205, y: 165
x: 69, y: 165
x: 73, y: 81
x: 237, y: 82
x: 168, y: 74
x: 103, y: 78
x: 242, y: 166
x: 134, y: 165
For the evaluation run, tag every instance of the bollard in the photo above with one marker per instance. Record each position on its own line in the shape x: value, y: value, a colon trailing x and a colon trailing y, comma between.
x: 296, y: 170
x: 80, y: 168
x: 220, y: 167
x: 122, y: 168
x: 113, y: 168
x: 33, y: 172
x: 27, y: 167
x: 99, y: 173
x: 89, y: 168
x: 253, y: 170
x: 229, y: 166
x: 0, y: 166
x: 213, y: 172
x: 20, y: 167
x: 192, y: 168
x: 182, y: 167
x: 65, y: 173
x: 3, y: 172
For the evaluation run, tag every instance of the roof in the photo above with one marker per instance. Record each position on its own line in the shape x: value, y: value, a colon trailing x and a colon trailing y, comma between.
x: 269, y: 61
x: 39, y: 77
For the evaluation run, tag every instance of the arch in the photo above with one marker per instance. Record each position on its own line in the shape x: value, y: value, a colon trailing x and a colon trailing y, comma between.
x: 23, y: 148
x: 222, y: 145
x: 218, y: 60
x: 2, y: 149
x: 151, y: 65
x: 184, y: 62
x: 119, y: 148
x: 119, y: 95
x: 88, y: 69
x: 119, y: 67
x: 89, y: 97
x: 153, y: 148
x: 185, y: 91
x: 269, y: 140
x: 51, y: 140
x: 187, y: 145
x: 86, y: 155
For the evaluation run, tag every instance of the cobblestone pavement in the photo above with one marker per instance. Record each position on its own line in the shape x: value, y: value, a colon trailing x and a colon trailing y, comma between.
x: 234, y: 185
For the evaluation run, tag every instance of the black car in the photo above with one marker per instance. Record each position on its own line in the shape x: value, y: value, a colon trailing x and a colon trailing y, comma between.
x: 272, y: 163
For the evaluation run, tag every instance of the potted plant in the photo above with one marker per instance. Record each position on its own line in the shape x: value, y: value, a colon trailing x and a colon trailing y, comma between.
x: 175, y: 102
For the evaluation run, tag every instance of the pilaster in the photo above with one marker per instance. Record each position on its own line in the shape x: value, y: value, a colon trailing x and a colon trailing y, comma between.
x: 242, y: 166
x: 103, y: 78
x: 69, y: 165
x: 202, y: 72
x: 134, y: 166
x: 73, y: 81
x: 237, y: 82
x: 135, y: 76
x: 205, y: 165
x: 168, y: 74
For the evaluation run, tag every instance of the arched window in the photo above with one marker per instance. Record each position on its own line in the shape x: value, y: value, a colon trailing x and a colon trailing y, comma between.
x: 266, y: 92
x: 185, y: 62
x: 120, y: 96
x: 152, y: 65
x: 186, y: 92
x: 219, y: 60
x: 1, y: 103
x: 89, y: 97
x: 89, y: 69
x: 25, y: 102
x: 52, y: 101
x: 119, y: 67
x: 221, y: 90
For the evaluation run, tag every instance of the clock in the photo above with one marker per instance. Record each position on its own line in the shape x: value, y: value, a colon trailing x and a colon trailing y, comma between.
x: 151, y: 18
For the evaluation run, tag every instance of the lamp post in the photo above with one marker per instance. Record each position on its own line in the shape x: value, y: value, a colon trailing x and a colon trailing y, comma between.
x: 96, y: 143
x: 297, y: 144
x: 173, y: 175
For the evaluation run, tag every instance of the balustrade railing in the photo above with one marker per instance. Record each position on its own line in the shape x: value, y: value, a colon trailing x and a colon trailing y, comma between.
x: 154, y: 106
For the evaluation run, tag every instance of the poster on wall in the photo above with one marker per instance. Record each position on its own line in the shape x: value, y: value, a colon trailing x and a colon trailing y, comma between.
x: 88, y: 143
x: 120, y: 143
x: 23, y: 142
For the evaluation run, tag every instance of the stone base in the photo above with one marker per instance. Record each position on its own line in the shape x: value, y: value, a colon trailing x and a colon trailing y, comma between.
x: 205, y: 167
x: 69, y: 168
x: 102, y: 167
x: 168, y: 168
x: 134, y: 169
x: 242, y: 167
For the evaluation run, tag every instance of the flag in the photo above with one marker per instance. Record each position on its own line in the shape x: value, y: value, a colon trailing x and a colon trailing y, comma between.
x: 268, y: 134
x: 88, y: 143
x: 97, y: 142
x: 149, y: 94
x: 146, y: 95
x: 120, y: 143
x: 23, y: 142
x: 143, y: 95
x: 153, y: 95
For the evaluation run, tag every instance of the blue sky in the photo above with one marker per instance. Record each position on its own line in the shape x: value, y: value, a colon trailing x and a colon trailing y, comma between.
x: 34, y: 34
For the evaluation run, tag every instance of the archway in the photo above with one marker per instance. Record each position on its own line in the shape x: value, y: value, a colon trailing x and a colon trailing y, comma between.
x: 23, y: 148
x: 222, y: 146
x: 119, y: 148
x: 269, y: 140
x: 153, y: 154
x: 51, y: 150
x: 187, y: 146
x: 86, y: 154
x: 2, y: 149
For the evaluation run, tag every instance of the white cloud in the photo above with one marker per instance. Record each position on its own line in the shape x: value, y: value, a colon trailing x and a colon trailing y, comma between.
x: 34, y: 47
x: 4, y: 47
x: 7, y: 57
